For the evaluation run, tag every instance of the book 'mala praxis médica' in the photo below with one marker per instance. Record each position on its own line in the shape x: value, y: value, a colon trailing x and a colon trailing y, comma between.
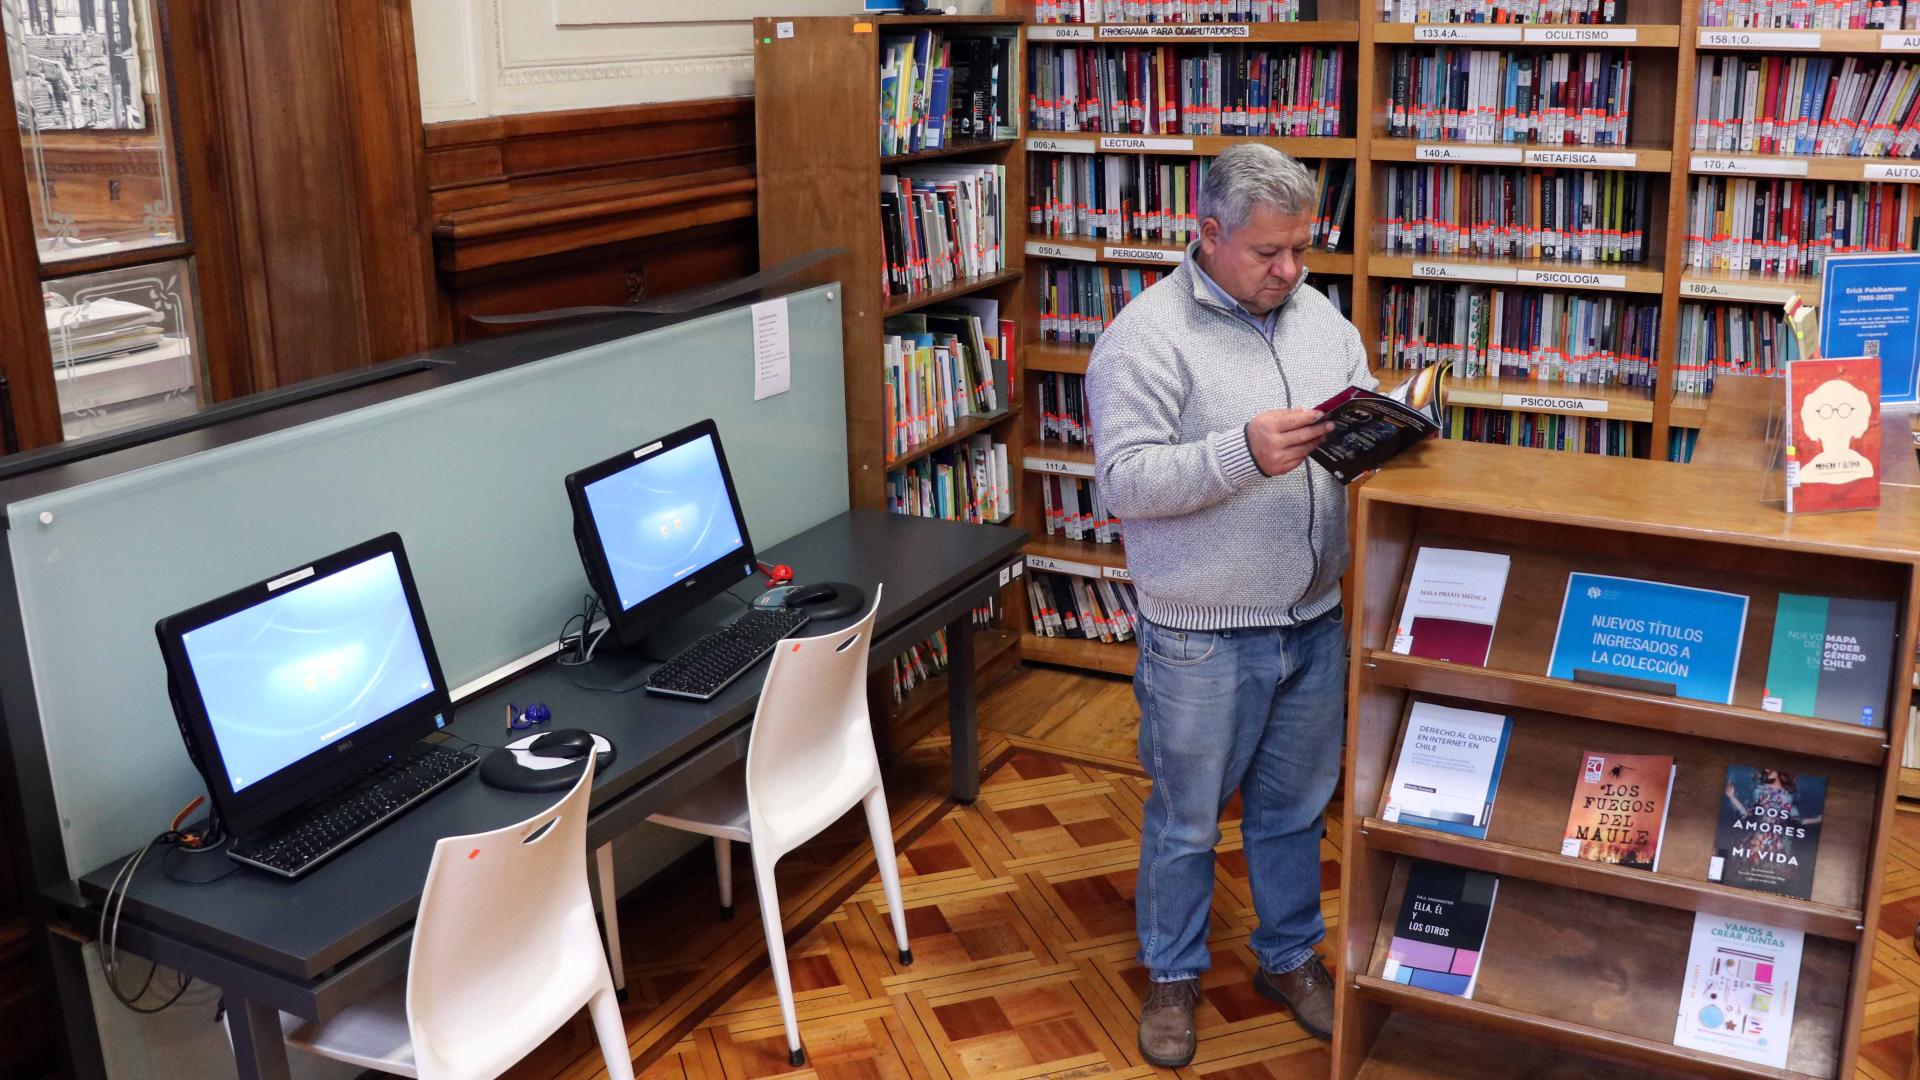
x: 1737, y: 998
x: 1619, y: 809
x: 1448, y: 770
x: 1831, y: 658
x: 1769, y: 830
x: 1442, y: 929
x: 1453, y: 602
x: 1649, y: 636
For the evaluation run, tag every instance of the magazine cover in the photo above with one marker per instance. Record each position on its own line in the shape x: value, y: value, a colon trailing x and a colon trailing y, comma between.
x: 1736, y: 999
x: 1830, y: 659
x: 1769, y: 830
x: 1619, y: 809
x: 1833, y: 419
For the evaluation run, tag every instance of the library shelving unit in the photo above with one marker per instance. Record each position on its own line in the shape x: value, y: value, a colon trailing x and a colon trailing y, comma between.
x: 1583, y: 961
x: 817, y: 110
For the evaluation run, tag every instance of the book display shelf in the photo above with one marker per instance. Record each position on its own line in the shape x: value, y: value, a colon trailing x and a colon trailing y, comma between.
x: 1585, y: 961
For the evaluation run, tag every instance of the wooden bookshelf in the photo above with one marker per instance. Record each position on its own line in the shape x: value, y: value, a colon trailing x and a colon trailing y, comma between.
x: 1116, y: 658
x: 1558, y: 921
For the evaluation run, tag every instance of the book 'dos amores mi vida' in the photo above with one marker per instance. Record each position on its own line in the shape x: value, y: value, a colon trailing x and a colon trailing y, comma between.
x: 1833, y: 434
x: 1452, y: 605
x: 1448, y: 770
x: 1619, y: 809
x: 1649, y: 636
x: 1769, y: 830
x: 1442, y: 929
x: 1737, y: 996
x: 1832, y: 658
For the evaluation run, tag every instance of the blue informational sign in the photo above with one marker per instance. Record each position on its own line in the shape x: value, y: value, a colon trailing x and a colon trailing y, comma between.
x: 1668, y: 635
x: 1870, y: 306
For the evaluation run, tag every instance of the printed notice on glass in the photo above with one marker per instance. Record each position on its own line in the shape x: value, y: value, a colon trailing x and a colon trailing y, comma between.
x: 772, y: 356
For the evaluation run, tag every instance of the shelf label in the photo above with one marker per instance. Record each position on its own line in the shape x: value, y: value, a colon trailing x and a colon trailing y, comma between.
x: 1574, y: 279
x: 1900, y: 42
x: 1757, y: 39
x: 1055, y: 465
x: 1751, y: 166
x: 1018, y: 568
x: 1115, y: 573
x: 1556, y: 404
x: 1201, y: 32
x: 1466, y: 33
x: 1063, y: 146
x: 1495, y: 155
x: 1465, y: 272
x: 1593, y: 159
x: 1152, y: 255
x: 1885, y: 171
x: 1058, y: 251
x: 1134, y: 142
x: 1062, y: 566
x: 1006, y: 574
x: 1738, y: 290
x: 1591, y: 35
x: 1059, y: 33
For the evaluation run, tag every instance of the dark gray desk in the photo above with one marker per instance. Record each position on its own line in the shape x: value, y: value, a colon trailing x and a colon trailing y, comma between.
x: 310, y: 946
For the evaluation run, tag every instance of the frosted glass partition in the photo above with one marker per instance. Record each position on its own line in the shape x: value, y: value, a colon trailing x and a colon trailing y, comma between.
x: 468, y: 473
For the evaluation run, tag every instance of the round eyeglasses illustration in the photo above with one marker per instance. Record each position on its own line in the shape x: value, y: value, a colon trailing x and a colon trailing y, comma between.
x: 1834, y: 414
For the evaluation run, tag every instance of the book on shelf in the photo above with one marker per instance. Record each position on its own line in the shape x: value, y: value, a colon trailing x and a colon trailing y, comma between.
x: 1371, y: 428
x: 1073, y: 508
x: 1619, y: 813
x: 1062, y: 400
x: 1805, y: 105
x: 1649, y: 636
x: 1257, y: 89
x: 969, y: 482
x: 1462, y: 94
x: 1566, y: 215
x: 1149, y: 199
x: 1452, y: 605
x: 1542, y: 335
x: 1833, y: 434
x: 937, y: 85
x: 1768, y: 836
x: 939, y: 370
x: 1731, y: 339
x: 1069, y: 605
x: 1830, y: 658
x: 1499, y: 11
x: 1077, y: 302
x: 1448, y: 769
x: 1800, y: 15
x: 1440, y: 933
x: 1543, y: 431
x: 1787, y: 228
x: 941, y: 222
x: 1737, y: 993
x: 1172, y: 11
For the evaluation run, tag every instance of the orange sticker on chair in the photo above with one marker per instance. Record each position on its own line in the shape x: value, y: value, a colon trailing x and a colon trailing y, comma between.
x: 474, y: 854
x: 796, y: 648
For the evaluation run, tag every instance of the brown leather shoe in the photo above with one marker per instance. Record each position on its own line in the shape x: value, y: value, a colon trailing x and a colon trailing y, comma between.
x: 1307, y: 992
x: 1166, y: 1023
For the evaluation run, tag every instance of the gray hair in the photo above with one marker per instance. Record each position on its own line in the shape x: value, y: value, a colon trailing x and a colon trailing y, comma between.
x: 1246, y: 175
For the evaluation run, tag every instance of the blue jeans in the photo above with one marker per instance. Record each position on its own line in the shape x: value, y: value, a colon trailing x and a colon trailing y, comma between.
x: 1262, y: 710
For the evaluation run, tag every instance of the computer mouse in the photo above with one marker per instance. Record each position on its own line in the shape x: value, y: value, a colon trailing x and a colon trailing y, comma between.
x: 565, y: 743
x: 812, y: 594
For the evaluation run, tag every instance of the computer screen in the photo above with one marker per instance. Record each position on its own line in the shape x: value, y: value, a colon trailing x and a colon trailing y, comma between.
x: 664, y: 517
x: 307, y: 667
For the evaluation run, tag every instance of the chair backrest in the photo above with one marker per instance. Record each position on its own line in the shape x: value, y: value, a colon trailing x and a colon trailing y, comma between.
x: 506, y: 939
x: 811, y: 753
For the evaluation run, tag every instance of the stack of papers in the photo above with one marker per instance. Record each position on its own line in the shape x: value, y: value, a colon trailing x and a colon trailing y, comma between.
x: 101, y: 328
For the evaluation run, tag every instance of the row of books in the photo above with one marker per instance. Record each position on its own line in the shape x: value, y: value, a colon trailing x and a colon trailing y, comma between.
x: 1068, y: 605
x: 1541, y: 431
x: 919, y: 664
x: 936, y: 87
x: 1787, y: 228
x: 1574, y: 215
x: 942, y: 367
x: 970, y: 483
x: 1062, y: 400
x: 1503, y: 95
x: 1807, y: 105
x: 940, y: 223
x: 1812, y: 14
x: 1552, y: 337
x: 1147, y: 199
x: 1171, y: 11
x: 1681, y: 443
x: 1583, y: 12
x: 1217, y: 90
x: 1730, y: 339
x: 1077, y: 302
x: 1072, y: 508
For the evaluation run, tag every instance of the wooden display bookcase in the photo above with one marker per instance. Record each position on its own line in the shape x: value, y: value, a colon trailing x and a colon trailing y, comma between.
x: 1583, y: 960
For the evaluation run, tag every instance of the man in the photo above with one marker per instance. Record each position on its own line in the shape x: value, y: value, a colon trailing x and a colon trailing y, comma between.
x: 1202, y: 393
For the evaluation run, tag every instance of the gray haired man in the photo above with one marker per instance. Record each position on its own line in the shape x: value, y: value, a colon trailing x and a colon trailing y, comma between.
x: 1202, y: 394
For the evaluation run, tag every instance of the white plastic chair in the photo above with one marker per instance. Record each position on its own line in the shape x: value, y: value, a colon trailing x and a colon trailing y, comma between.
x: 810, y: 759
x: 505, y: 952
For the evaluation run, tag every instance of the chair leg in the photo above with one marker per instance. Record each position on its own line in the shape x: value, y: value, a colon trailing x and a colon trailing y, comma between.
x: 777, y: 953
x: 723, y: 869
x: 881, y: 826
x: 612, y: 1033
x: 610, y: 917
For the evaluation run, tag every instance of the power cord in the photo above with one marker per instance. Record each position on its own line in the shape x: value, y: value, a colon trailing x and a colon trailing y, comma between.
x: 577, y: 647
x: 109, y: 929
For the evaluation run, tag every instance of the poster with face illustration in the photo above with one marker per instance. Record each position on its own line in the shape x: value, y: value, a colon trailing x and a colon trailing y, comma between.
x: 1833, y: 413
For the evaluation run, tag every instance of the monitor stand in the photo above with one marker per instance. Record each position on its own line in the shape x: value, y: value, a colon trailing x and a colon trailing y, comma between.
x: 622, y: 669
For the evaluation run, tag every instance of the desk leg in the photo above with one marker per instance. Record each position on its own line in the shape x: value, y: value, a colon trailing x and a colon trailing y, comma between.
x: 259, y: 1047
x: 610, y: 917
x: 962, y: 721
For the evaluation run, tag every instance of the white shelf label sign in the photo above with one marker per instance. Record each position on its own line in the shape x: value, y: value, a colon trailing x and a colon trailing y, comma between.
x: 1591, y: 35
x: 1738, y: 290
x: 1573, y: 279
x: 1466, y: 33
x: 1900, y: 42
x: 1757, y: 39
x: 1116, y: 573
x: 1063, y: 146
x: 1057, y: 251
x: 1584, y: 158
x: 1062, y: 566
x: 1059, y: 33
x: 1887, y: 171
x: 1055, y: 465
x: 1750, y: 166
x: 1202, y: 32
x: 1555, y: 404
x: 1465, y: 272
x: 1152, y: 255
x: 1135, y: 142
x: 1495, y: 155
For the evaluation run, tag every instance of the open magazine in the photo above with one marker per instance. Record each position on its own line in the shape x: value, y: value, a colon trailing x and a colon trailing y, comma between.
x: 1370, y: 428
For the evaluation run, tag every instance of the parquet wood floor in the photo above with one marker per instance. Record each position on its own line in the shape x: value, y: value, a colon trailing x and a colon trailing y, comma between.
x: 1020, y: 913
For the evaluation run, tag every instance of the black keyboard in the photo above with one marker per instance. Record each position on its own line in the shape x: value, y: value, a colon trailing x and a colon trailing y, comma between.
x: 705, y: 667
x: 322, y: 829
